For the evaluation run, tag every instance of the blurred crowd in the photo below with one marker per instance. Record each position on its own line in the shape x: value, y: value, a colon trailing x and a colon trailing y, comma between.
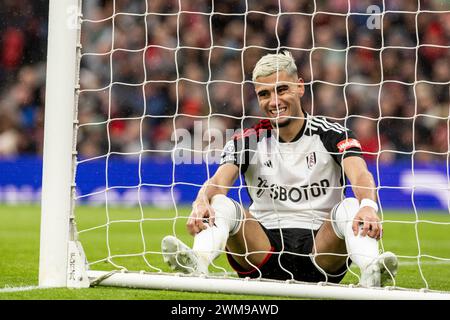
x: 149, y: 67
x: 23, y: 46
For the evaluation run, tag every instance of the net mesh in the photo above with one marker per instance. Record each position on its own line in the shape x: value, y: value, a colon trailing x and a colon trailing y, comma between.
x: 162, y: 81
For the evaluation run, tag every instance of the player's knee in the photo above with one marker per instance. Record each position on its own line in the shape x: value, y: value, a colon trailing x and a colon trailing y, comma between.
x: 228, y: 211
x: 343, y: 213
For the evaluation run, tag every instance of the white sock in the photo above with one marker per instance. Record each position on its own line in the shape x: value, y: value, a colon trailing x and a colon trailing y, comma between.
x: 362, y: 250
x: 210, y: 242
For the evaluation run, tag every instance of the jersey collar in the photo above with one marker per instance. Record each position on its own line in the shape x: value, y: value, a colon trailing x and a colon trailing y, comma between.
x: 300, y: 132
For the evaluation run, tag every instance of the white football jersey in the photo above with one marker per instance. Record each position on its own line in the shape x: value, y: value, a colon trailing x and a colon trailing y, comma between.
x: 294, y: 184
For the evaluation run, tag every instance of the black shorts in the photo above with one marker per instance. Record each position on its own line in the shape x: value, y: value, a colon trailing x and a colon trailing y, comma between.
x: 291, y: 261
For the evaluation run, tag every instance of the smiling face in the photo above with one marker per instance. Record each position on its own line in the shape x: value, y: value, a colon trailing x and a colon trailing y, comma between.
x: 279, y: 98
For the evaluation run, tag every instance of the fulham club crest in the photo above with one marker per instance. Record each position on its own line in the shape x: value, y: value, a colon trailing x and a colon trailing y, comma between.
x: 311, y: 160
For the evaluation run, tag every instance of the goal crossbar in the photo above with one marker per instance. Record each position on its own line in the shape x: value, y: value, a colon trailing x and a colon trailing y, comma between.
x: 180, y: 282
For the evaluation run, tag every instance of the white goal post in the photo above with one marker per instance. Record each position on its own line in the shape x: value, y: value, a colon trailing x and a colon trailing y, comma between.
x: 58, y: 168
x: 62, y: 259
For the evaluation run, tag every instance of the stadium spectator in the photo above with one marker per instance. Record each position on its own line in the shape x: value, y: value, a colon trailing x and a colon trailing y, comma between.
x: 23, y: 33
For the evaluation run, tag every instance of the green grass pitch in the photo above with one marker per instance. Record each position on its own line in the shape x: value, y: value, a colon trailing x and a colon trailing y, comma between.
x: 134, y: 243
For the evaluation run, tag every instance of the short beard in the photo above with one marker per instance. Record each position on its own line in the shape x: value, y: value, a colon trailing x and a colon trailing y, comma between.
x: 275, y: 123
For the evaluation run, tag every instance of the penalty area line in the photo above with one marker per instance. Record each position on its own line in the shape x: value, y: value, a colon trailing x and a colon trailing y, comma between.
x: 424, y: 263
x: 18, y: 289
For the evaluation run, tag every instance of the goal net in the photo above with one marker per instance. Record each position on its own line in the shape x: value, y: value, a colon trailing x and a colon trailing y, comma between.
x: 162, y: 85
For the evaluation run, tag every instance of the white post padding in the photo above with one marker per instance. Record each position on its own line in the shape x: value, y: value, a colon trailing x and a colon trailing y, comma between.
x: 57, y: 176
x: 257, y: 287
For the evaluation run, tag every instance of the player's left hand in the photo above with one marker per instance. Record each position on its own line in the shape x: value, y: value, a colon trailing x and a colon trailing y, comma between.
x: 367, y: 223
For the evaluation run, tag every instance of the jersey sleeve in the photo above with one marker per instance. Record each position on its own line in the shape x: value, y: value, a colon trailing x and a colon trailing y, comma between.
x: 242, y: 149
x: 342, y: 144
x: 236, y: 152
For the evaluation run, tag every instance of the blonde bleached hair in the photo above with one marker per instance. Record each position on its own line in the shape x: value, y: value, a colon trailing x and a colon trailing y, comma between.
x: 275, y: 62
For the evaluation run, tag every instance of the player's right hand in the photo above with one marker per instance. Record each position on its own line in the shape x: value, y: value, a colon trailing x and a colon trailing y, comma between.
x: 202, y: 215
x: 367, y: 223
